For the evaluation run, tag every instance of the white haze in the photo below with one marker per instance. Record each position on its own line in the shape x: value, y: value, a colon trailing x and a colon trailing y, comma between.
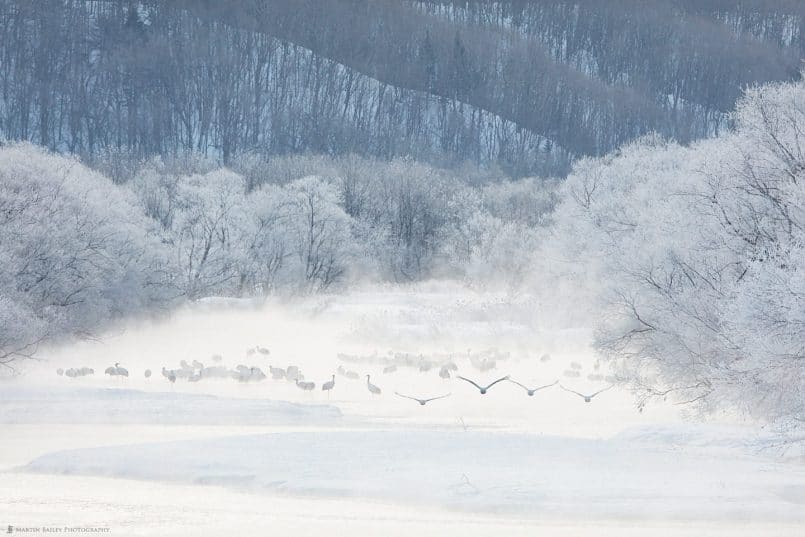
x: 437, y: 320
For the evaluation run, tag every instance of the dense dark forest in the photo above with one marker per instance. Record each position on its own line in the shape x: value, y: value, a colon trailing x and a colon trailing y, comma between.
x: 526, y: 85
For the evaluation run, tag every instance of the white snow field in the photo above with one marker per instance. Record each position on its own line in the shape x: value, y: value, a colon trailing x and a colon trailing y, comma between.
x: 475, y: 471
x: 217, y: 457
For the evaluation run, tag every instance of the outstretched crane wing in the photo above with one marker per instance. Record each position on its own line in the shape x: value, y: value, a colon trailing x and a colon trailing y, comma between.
x: 523, y: 386
x: 409, y: 397
x: 573, y: 391
x: 501, y: 379
x: 546, y: 386
x: 435, y: 398
x: 605, y: 389
x: 468, y: 380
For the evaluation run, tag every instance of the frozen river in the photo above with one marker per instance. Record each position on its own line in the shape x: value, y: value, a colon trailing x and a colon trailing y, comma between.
x: 143, y: 457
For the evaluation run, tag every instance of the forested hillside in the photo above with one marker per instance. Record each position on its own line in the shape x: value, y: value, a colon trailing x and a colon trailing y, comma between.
x: 527, y: 85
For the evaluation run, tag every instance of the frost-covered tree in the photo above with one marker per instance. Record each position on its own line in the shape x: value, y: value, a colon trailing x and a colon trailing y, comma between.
x: 266, y: 237
x: 158, y: 192
x: 320, y: 231
x: 411, y: 201
x: 76, y: 251
x: 204, y: 232
x: 487, y: 250
x: 695, y: 256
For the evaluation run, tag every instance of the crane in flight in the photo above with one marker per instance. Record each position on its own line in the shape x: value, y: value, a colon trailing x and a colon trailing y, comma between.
x: 422, y: 402
x: 587, y: 398
x: 483, y: 389
x: 532, y: 391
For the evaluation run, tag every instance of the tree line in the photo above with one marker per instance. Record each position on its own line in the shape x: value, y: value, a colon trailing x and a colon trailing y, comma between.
x: 81, y: 248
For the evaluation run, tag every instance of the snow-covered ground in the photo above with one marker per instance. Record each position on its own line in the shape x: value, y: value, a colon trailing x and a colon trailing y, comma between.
x: 145, y: 457
x: 474, y: 471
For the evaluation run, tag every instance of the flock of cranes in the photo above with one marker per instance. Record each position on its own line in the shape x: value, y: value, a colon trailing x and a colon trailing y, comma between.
x: 75, y: 372
x: 195, y: 371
